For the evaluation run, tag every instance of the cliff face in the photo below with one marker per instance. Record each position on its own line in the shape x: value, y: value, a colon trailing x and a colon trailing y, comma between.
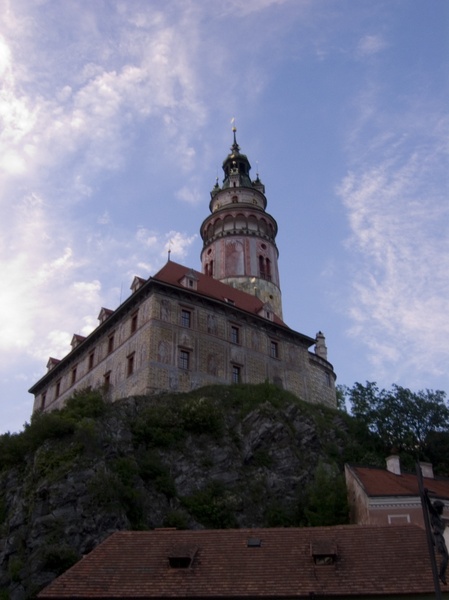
x: 218, y: 457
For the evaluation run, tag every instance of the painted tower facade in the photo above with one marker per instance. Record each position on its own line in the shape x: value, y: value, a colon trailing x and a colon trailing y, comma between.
x: 239, y: 236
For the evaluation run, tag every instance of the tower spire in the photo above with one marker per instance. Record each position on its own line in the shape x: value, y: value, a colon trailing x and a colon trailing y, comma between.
x: 239, y: 246
x: 235, y: 147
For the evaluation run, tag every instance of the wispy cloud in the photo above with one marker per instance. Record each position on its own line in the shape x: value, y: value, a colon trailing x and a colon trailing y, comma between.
x: 371, y: 44
x: 399, y: 247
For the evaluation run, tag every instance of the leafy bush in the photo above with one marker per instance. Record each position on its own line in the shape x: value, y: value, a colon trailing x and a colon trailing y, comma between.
x: 176, y: 518
x: 51, y: 461
x: 158, y: 426
x: 85, y: 404
x: 202, y: 415
x: 58, y: 558
x: 212, y: 507
x: 151, y: 469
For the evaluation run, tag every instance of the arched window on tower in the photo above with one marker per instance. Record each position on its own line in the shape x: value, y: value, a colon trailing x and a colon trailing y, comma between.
x: 210, y: 268
x: 262, y: 267
x: 268, y: 269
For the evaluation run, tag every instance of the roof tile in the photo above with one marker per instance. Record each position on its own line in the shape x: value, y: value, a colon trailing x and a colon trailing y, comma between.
x: 370, y: 560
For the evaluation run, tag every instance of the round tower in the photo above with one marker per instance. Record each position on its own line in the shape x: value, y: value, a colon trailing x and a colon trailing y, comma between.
x: 239, y: 246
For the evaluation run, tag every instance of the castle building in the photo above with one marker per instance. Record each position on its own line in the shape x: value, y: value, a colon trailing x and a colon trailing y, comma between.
x: 182, y: 329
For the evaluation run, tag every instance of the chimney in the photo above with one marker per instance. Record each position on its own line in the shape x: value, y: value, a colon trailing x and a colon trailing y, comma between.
x: 427, y: 470
x: 320, y: 345
x: 394, y: 464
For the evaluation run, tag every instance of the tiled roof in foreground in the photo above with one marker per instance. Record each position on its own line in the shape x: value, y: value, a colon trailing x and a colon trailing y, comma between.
x: 343, y: 561
x: 379, y: 482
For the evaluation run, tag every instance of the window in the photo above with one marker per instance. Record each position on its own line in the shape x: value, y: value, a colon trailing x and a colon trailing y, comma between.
x: 179, y: 562
x: 107, y: 381
x: 398, y: 519
x: 235, y: 337
x: 236, y: 375
x: 73, y: 378
x: 264, y: 268
x: 186, y: 317
x: 134, y: 322
x: 274, y: 349
x: 43, y: 400
x: 58, y: 388
x: 261, y: 267
x: 111, y: 343
x: 184, y: 359
x: 91, y: 359
x: 130, y: 364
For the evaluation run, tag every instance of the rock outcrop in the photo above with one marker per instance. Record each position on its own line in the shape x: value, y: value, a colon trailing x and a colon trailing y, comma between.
x: 218, y: 457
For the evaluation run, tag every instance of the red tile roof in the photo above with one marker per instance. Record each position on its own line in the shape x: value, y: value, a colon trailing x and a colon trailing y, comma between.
x: 370, y: 560
x: 379, y: 482
x: 173, y: 273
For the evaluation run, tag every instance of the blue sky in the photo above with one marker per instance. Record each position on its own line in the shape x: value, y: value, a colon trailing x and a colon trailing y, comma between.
x: 114, y: 122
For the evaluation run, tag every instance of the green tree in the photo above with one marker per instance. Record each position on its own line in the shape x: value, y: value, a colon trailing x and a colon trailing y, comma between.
x: 326, y: 499
x: 402, y: 419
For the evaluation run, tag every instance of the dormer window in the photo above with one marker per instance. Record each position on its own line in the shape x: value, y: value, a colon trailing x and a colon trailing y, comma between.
x: 77, y: 339
x: 190, y: 280
x: 179, y: 562
x: 136, y: 284
x: 267, y: 312
x: 182, y: 558
x: 104, y: 314
x: 323, y: 552
x: 52, y: 362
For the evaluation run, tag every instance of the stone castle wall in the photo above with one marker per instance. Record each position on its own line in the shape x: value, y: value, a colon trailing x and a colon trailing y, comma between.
x: 146, y: 360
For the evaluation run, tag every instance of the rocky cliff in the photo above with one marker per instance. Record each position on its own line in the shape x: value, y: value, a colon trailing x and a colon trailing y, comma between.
x: 217, y: 457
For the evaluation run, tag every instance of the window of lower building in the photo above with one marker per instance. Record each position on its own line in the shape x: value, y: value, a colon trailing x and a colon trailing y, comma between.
x: 107, y: 380
x: 186, y: 317
x: 398, y: 519
x: 111, y: 343
x: 236, y: 374
x: 134, y: 317
x: 184, y: 359
x: 58, y: 388
x: 73, y: 376
x: 91, y: 360
x: 130, y: 364
x: 43, y: 400
x: 235, y: 334
x: 274, y: 349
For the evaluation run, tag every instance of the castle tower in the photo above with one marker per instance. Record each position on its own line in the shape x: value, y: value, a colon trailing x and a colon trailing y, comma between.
x: 239, y: 245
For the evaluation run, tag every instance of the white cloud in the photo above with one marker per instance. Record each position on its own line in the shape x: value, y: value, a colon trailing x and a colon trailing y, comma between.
x: 399, y: 246
x: 178, y: 243
x: 371, y: 44
x: 190, y: 194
